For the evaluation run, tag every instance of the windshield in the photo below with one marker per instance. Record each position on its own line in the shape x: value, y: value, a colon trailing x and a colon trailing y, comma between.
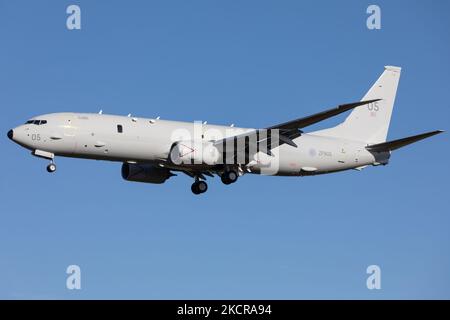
x: 36, y: 122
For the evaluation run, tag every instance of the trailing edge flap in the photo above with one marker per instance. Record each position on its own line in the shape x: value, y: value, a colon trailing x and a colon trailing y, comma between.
x: 396, y: 144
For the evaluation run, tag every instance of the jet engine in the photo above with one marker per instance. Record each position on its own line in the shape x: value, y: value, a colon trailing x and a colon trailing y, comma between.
x: 191, y: 152
x: 145, y: 173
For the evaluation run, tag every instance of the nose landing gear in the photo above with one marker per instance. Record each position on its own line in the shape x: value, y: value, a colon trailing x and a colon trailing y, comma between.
x: 46, y: 155
x: 51, y: 167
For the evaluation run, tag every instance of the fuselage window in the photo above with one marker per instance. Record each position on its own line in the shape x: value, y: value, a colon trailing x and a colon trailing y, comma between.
x: 119, y: 128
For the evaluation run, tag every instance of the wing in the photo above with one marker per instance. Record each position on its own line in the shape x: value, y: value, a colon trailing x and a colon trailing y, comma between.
x: 309, y: 120
x: 268, y: 138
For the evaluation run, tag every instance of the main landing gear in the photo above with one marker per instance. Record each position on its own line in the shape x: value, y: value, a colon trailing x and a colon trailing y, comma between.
x: 199, y: 186
x: 229, y: 176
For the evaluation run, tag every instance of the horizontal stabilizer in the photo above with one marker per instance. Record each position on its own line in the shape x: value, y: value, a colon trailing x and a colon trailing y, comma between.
x: 396, y: 144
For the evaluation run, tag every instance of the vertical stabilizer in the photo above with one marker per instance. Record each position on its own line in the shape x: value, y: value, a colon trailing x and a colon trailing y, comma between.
x: 370, y: 123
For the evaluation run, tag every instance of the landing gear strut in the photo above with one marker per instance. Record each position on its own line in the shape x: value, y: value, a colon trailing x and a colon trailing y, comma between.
x: 229, y: 176
x: 199, y: 186
x: 51, y: 167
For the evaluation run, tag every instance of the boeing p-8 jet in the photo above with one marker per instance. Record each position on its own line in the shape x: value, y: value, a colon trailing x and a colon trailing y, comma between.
x: 154, y: 150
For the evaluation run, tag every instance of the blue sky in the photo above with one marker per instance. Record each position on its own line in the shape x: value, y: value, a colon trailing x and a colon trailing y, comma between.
x: 252, y: 63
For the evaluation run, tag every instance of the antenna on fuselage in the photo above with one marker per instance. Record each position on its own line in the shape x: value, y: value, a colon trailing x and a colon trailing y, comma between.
x: 154, y: 120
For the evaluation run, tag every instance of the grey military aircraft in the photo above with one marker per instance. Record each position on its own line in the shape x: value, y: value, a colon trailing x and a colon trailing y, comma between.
x: 153, y: 150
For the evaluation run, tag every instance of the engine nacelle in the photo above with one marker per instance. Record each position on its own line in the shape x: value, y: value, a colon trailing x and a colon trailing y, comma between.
x: 145, y: 173
x: 191, y: 152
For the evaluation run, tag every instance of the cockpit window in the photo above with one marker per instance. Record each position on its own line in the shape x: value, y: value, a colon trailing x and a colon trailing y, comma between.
x: 36, y: 122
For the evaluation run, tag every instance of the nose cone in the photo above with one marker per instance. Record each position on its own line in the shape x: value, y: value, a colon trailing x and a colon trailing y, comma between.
x: 10, y: 134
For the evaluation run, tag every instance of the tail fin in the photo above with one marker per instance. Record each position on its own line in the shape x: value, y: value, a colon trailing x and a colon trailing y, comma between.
x: 370, y: 123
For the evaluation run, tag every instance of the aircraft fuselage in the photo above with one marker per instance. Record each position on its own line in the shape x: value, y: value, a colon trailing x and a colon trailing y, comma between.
x: 140, y: 140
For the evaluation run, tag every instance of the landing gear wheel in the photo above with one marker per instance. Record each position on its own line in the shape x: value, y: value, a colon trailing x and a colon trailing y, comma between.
x: 51, y: 167
x: 229, y: 177
x: 199, y: 187
x: 224, y: 179
x: 194, y: 188
x: 202, y: 186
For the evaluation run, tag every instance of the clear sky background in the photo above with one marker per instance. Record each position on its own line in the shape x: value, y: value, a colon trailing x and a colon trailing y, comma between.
x: 252, y: 63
